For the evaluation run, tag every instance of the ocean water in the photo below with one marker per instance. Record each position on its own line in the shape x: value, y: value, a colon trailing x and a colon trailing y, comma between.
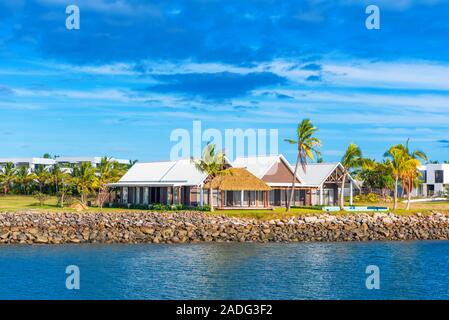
x: 408, y: 270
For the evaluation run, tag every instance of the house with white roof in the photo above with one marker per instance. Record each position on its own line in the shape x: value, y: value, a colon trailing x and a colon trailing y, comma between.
x: 263, y: 181
x: 435, y: 180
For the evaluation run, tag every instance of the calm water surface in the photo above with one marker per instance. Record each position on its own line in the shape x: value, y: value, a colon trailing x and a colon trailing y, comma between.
x: 408, y: 270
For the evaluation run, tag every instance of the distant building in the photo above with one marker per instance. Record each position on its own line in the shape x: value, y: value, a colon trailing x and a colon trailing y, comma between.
x: 435, y: 180
x: 31, y: 163
x: 94, y: 161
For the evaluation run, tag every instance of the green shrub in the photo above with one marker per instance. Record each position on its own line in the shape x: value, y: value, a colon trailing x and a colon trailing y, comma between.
x: 370, y: 197
x: 204, y: 207
x: 41, y: 197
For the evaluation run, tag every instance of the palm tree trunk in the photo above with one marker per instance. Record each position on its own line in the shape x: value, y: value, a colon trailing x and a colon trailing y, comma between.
x: 342, y: 193
x: 211, y: 198
x: 395, y: 205
x: 293, y: 185
x: 409, y: 195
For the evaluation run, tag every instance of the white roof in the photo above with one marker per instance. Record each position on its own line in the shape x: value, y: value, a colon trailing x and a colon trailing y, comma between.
x: 179, y: 172
x: 88, y: 159
x: 317, y: 173
x: 435, y: 166
x: 44, y: 161
x: 259, y: 165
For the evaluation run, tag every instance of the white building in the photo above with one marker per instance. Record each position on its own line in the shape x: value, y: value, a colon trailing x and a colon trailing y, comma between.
x: 435, y: 178
x: 95, y: 161
x: 31, y: 163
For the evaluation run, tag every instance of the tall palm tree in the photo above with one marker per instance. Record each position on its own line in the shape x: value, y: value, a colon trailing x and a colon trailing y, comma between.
x: 352, y: 160
x: 65, y: 187
x: 56, y: 175
x: 306, y: 143
x: 410, y: 177
x: 213, y: 164
x: 7, y: 176
x: 397, y: 161
x: 404, y: 165
x: 83, y: 178
x: 41, y: 176
x: 23, y: 178
x: 108, y: 171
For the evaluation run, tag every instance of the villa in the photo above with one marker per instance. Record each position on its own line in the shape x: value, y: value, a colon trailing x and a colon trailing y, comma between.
x: 251, y: 182
x: 435, y: 180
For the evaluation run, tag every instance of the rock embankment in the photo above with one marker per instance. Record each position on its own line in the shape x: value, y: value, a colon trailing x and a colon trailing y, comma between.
x: 187, y: 227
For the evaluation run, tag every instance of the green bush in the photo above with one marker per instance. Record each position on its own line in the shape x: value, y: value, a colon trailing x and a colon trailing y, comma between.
x: 205, y: 207
x: 370, y: 197
x: 41, y: 197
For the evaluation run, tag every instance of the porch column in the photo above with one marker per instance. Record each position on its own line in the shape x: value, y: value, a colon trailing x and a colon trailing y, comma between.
x: 137, y: 195
x: 257, y: 198
x: 321, y: 196
x: 351, y: 192
x: 201, y: 196
x: 241, y: 198
x: 222, y: 198
x: 125, y: 195
x: 265, y: 200
x: 145, y: 195
x: 179, y: 195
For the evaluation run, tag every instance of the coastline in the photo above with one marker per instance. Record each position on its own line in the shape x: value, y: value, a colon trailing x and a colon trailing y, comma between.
x: 192, y: 227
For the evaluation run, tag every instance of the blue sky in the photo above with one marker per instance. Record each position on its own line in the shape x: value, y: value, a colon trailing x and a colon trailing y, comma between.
x: 136, y: 70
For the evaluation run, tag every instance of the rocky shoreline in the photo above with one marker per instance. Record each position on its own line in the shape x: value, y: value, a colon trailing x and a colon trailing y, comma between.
x: 190, y: 227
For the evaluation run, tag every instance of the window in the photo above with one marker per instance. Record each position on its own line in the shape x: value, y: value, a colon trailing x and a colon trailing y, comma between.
x: 439, y: 176
x: 423, y: 176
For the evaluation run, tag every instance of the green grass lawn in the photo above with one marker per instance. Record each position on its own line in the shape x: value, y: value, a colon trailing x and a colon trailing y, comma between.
x: 17, y: 203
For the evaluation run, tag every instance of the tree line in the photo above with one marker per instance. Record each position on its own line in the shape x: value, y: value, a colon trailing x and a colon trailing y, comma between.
x: 80, y: 180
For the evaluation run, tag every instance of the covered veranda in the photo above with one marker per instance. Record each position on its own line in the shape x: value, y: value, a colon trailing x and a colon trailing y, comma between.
x: 238, y: 188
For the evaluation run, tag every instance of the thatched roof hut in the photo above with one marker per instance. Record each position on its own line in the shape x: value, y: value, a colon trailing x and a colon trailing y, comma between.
x: 238, y: 179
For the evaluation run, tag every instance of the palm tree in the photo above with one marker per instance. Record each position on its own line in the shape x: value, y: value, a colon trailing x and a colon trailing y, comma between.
x: 404, y: 164
x: 306, y: 143
x: 7, y: 176
x: 351, y: 160
x: 56, y: 175
x: 65, y: 187
x: 213, y: 164
x: 397, y: 160
x: 108, y: 172
x: 23, y: 178
x: 41, y: 176
x: 83, y: 178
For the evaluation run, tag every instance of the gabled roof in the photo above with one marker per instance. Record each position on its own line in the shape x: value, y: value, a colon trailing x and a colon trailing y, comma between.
x: 238, y: 179
x: 317, y: 173
x: 179, y: 172
x: 260, y: 165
